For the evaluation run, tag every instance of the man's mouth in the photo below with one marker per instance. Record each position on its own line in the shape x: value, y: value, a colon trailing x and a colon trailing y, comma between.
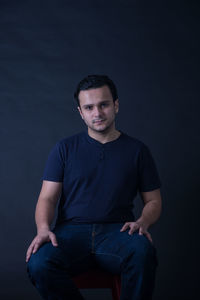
x: 98, y: 121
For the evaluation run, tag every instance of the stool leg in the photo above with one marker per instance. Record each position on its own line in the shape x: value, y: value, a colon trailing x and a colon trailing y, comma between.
x: 116, y: 288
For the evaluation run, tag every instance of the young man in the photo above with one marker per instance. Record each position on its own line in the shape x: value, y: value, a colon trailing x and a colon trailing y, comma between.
x: 95, y: 175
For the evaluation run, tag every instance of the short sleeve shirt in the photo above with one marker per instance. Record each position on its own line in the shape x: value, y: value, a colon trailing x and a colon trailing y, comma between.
x: 100, y: 181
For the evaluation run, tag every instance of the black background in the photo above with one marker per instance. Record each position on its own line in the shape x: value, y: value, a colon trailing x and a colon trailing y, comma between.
x: 151, y: 51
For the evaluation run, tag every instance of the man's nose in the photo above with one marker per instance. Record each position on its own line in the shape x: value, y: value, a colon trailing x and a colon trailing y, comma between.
x: 97, y: 111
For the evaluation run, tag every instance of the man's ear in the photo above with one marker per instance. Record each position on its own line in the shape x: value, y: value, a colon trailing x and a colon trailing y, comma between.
x: 79, y: 109
x: 116, y: 103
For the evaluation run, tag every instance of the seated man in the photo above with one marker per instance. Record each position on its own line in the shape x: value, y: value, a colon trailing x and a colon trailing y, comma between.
x: 95, y: 175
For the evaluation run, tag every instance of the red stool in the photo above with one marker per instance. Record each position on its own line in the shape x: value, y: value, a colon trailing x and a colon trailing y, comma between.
x: 95, y: 279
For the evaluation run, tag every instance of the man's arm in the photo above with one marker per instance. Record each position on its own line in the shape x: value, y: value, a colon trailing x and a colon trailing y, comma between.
x: 44, y: 214
x: 152, y: 207
x: 150, y: 213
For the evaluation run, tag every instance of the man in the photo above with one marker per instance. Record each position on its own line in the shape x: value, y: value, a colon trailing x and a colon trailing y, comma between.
x: 95, y: 175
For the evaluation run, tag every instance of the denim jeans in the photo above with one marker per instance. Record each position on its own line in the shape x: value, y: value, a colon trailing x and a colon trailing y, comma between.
x: 85, y: 246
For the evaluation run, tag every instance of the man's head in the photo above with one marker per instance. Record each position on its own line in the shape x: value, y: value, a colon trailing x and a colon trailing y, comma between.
x: 98, y: 104
x: 95, y: 81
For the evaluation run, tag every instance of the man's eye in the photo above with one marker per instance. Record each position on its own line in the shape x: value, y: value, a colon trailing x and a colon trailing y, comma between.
x: 104, y: 105
x: 88, y: 107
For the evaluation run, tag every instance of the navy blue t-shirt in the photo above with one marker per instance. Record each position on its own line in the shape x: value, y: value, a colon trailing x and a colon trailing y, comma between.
x: 99, y: 180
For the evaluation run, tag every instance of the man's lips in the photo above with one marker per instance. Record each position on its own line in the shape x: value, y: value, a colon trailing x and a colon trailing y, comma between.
x: 98, y: 121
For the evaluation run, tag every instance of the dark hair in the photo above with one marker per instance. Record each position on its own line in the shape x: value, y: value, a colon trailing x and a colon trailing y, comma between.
x: 95, y: 81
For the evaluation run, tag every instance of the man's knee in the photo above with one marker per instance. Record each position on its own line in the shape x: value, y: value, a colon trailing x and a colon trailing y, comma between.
x: 38, y: 265
x: 144, y: 253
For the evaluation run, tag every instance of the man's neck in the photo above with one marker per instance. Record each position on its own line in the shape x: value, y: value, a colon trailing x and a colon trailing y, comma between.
x: 104, y: 137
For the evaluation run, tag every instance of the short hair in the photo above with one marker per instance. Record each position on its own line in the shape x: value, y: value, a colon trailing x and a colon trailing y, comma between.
x: 95, y: 81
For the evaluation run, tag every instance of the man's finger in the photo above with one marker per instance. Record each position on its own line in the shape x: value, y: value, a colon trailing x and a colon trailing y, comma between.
x: 146, y: 233
x: 148, y: 236
x: 36, y: 246
x: 27, y: 257
x: 30, y: 250
x: 53, y: 239
x: 125, y: 226
x: 133, y: 228
x: 28, y: 253
x: 141, y: 232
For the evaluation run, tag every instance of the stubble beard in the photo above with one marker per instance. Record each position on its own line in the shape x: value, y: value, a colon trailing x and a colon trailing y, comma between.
x: 103, y: 130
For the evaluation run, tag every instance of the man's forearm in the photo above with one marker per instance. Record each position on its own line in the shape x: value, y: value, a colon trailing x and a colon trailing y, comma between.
x: 44, y: 214
x: 151, y: 212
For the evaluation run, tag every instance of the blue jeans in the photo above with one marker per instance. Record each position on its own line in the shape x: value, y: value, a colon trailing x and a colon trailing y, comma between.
x: 85, y: 246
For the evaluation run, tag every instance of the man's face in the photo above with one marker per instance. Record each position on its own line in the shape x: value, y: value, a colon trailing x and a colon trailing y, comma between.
x: 97, y: 109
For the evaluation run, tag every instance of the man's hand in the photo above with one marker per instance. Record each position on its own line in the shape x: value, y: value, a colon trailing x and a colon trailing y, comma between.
x: 138, y: 225
x: 42, y: 237
x: 150, y: 214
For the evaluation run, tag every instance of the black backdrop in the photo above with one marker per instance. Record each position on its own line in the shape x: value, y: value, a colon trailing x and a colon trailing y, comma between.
x: 151, y: 51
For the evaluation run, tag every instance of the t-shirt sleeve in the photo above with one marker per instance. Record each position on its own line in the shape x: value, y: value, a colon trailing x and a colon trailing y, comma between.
x: 54, y: 168
x: 149, y: 179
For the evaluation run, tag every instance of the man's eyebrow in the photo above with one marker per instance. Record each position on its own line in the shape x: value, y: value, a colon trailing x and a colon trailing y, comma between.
x: 102, y: 102
x: 105, y: 101
x: 85, y: 105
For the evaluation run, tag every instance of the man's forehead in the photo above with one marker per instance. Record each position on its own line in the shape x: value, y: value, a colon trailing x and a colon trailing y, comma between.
x: 95, y: 95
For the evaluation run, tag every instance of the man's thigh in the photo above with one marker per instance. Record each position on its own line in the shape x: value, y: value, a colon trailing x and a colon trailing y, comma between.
x: 73, y: 252
x: 114, y: 248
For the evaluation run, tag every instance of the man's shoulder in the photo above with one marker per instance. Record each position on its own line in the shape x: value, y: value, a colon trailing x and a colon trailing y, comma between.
x: 132, y: 140
x: 71, y: 140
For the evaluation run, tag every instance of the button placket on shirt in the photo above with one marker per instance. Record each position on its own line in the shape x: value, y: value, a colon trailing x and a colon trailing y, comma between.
x: 102, y: 153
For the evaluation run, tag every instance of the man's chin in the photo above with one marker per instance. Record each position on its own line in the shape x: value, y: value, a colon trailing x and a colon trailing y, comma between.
x: 102, y: 129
